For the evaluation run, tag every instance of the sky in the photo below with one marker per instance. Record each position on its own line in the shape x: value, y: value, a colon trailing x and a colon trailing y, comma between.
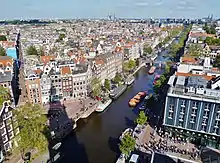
x: 66, y: 9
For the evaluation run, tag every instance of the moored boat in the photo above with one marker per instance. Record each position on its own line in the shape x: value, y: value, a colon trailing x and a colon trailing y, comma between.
x: 152, y: 70
x: 118, y: 91
x: 130, y: 80
x: 121, y: 159
x: 103, y: 105
x: 148, y: 96
x: 153, y: 57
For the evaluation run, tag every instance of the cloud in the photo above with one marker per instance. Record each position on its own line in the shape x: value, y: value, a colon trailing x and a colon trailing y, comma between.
x: 158, y: 3
x: 142, y: 4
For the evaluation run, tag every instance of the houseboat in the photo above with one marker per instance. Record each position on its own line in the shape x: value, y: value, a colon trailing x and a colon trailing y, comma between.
x: 129, y: 80
x: 152, y: 70
x: 103, y: 105
x: 118, y: 91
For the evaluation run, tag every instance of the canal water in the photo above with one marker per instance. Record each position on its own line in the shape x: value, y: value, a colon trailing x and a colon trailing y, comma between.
x: 95, y: 140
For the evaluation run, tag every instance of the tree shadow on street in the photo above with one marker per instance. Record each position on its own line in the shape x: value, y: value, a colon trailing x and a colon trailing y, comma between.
x: 62, y: 140
x: 113, y: 144
x: 130, y: 123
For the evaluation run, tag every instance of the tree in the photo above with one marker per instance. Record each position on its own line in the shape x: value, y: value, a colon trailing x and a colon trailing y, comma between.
x: 195, y: 50
x: 131, y: 64
x: 118, y: 78
x: 2, y: 51
x: 147, y: 50
x: 142, y: 118
x: 4, y: 95
x: 3, y: 38
x: 137, y: 62
x: 96, y: 86
x: 33, y: 129
x: 61, y: 37
x: 127, y: 144
x: 31, y: 50
x: 107, y: 84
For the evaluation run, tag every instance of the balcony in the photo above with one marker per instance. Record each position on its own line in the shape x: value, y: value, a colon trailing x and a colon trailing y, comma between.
x: 3, y: 131
x: 2, y: 125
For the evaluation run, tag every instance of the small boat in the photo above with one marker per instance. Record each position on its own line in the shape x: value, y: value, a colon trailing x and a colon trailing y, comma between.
x: 125, y: 132
x: 156, y: 77
x: 148, y: 96
x: 142, y: 107
x: 103, y: 105
x: 152, y: 70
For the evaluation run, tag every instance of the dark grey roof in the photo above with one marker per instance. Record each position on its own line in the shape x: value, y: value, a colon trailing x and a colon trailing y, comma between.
x: 5, y: 77
x: 197, y: 82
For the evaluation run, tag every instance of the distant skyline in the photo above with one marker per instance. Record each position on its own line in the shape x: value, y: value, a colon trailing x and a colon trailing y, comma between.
x: 67, y: 9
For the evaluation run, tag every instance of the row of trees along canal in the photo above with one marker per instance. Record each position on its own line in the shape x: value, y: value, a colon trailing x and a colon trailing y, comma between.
x: 127, y: 144
x: 171, y: 33
x: 175, y: 51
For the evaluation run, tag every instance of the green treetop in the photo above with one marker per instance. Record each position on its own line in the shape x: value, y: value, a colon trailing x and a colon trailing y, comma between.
x: 142, y: 118
x: 107, y: 84
x: 31, y: 50
x: 2, y: 51
x: 147, y: 50
x: 127, y: 145
x: 3, y: 38
x: 4, y: 95
x: 96, y: 86
x: 33, y: 129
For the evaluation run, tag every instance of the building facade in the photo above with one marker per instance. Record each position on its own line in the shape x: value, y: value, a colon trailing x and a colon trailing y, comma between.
x: 193, y: 107
x: 8, y: 128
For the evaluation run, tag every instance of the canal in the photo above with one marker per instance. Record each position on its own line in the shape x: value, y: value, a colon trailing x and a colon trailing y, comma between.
x: 95, y: 140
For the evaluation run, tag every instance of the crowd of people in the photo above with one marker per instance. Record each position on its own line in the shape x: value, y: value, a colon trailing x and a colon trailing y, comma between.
x: 165, y: 144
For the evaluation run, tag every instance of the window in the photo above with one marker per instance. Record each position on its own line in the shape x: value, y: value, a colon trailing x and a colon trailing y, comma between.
x: 215, y: 130
x: 181, y: 117
x: 203, y: 128
x: 182, y: 110
x: 183, y: 102
x: 7, y: 146
x: 206, y: 114
x: 5, y: 139
x: 11, y: 135
x: 207, y: 106
x: 192, y: 119
x: 195, y: 104
x: 204, y: 121
x: 170, y: 116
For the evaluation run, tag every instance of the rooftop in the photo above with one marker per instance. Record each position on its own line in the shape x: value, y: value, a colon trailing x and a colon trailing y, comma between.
x: 193, y: 86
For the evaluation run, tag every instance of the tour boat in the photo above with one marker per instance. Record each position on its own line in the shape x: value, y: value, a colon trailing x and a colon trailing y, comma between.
x: 152, y: 70
x: 137, y: 99
x: 103, y: 105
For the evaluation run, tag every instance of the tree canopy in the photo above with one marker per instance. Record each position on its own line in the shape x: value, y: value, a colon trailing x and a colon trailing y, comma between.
x: 96, y: 86
x: 195, y: 50
x: 217, y: 61
x: 147, y: 50
x: 127, y: 66
x: 142, y: 118
x: 212, y: 41
x: 118, y: 78
x: 107, y: 84
x: 33, y: 129
x: 209, y: 29
x: 4, y: 95
x: 2, y: 51
x: 3, y: 38
x: 127, y: 144
x: 31, y: 50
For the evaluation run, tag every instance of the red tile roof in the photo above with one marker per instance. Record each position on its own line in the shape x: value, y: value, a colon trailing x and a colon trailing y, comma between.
x: 65, y: 70
x: 46, y: 59
x: 189, y: 74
